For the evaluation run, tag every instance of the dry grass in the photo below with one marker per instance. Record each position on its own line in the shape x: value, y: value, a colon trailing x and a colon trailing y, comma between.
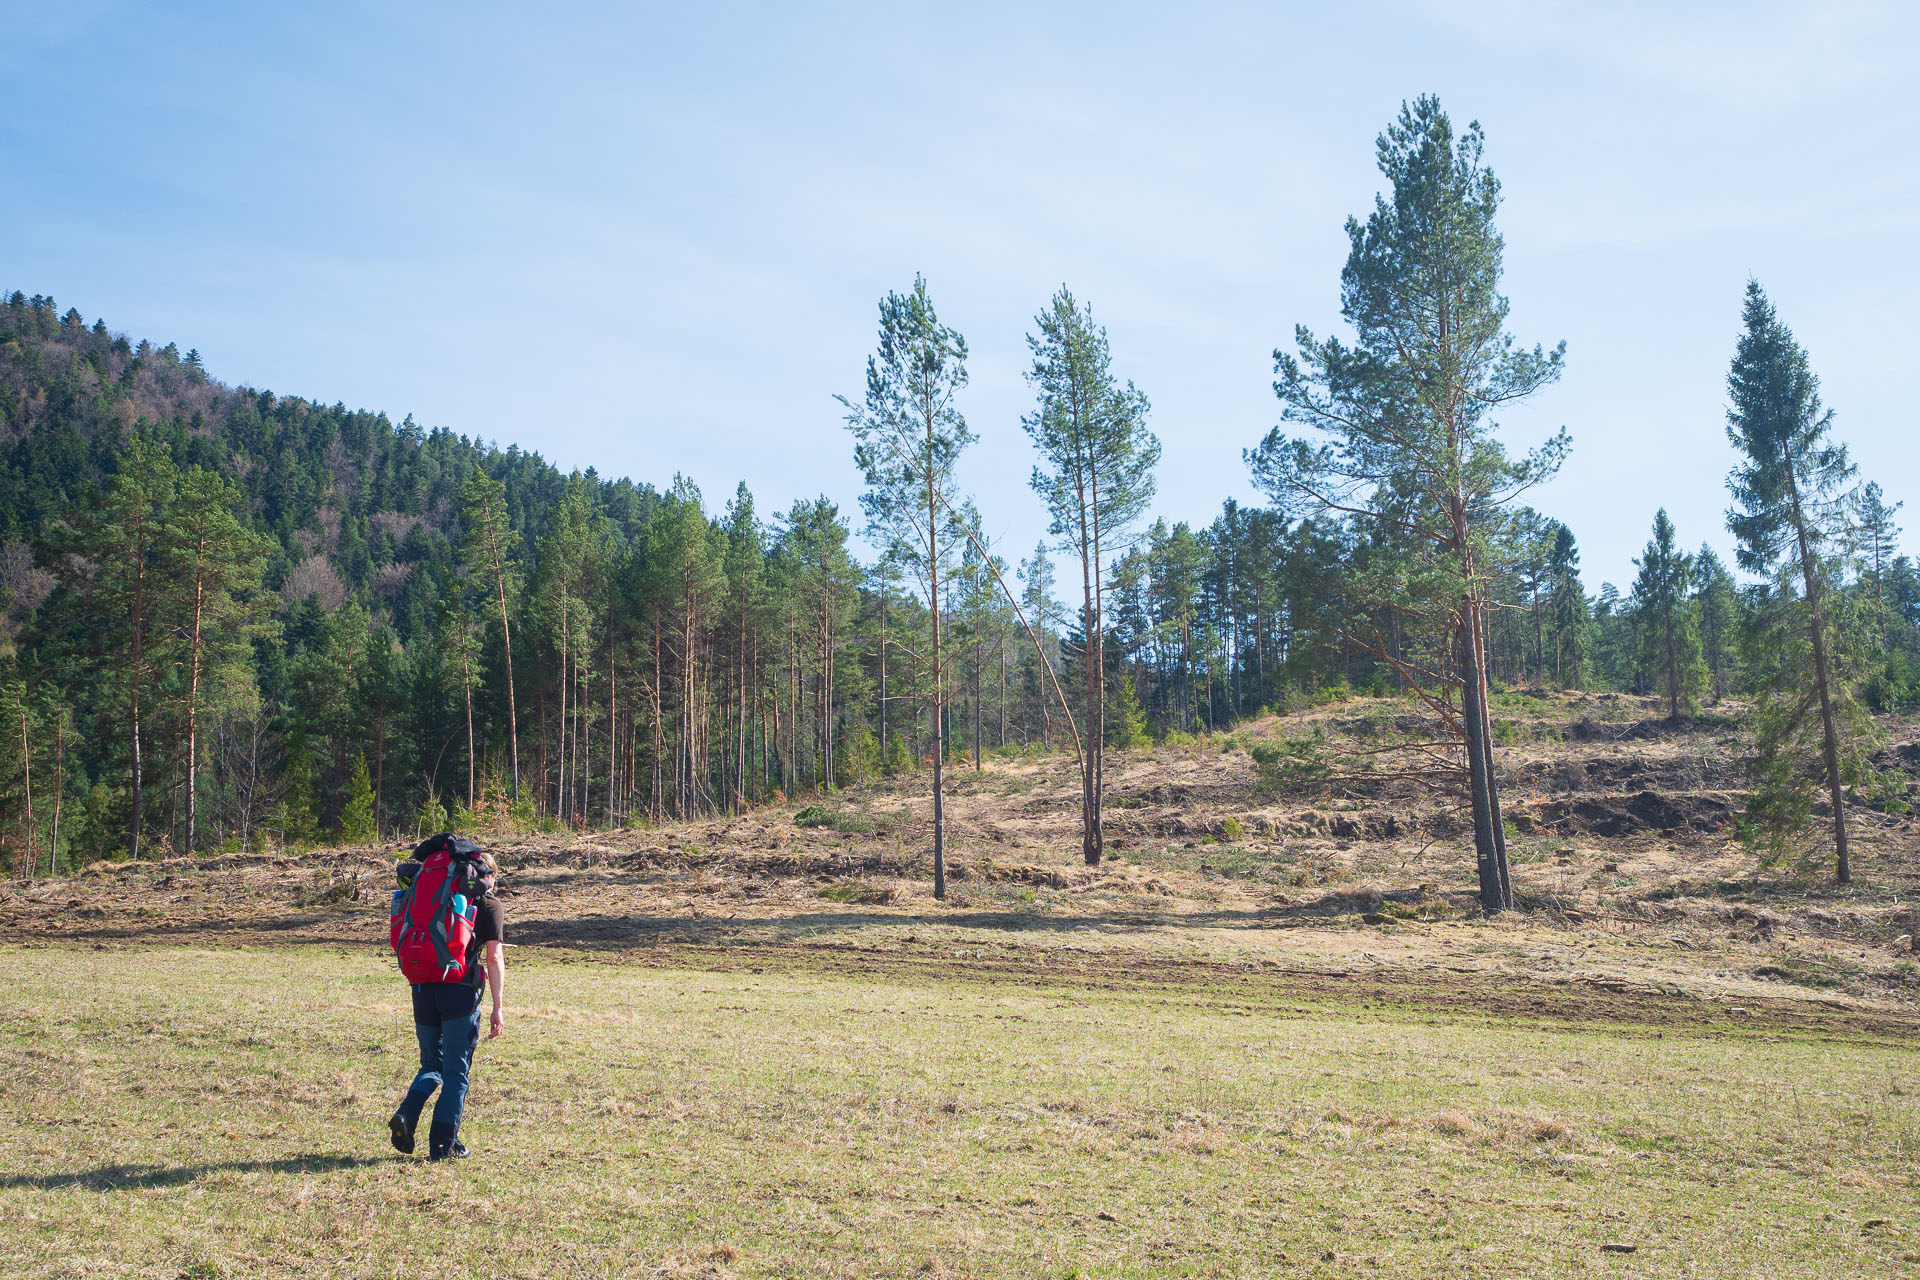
x: 174, y: 1113
x: 1272, y: 1035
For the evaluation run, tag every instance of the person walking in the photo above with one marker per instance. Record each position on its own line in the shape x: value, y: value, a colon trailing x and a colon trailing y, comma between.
x: 448, y: 931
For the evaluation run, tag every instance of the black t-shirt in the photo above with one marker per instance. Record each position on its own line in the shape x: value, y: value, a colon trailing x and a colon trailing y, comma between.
x: 488, y: 926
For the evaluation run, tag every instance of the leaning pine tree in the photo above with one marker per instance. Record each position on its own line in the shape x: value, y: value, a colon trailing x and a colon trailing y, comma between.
x: 908, y: 433
x: 1404, y: 443
x: 1791, y: 500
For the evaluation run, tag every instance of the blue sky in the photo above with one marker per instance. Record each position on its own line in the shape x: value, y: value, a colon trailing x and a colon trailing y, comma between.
x: 650, y: 239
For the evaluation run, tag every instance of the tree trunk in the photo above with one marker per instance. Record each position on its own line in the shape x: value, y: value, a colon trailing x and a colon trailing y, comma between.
x: 1003, y: 690
x: 979, y: 659
x: 193, y: 695
x: 379, y: 769
x: 1830, y: 737
x: 540, y: 756
x: 1673, y: 668
x: 560, y: 721
x: 26, y: 763
x: 1093, y: 840
x: 59, y: 786
x: 1493, y: 774
x: 884, y: 706
x: 654, y: 802
x: 139, y: 630
x: 1090, y: 850
x: 1487, y: 853
x: 506, y: 641
x: 1539, y: 628
x: 466, y: 686
x: 740, y: 711
x: 939, y: 680
x: 613, y: 730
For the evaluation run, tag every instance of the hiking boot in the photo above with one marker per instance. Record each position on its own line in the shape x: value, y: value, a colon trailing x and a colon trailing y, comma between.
x: 443, y: 1143
x: 401, y: 1130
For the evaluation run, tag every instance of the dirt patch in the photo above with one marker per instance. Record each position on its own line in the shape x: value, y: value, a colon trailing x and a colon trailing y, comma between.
x: 1612, y: 817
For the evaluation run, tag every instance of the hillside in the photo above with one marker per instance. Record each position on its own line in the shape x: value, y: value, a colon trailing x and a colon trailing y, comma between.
x: 357, y: 506
x: 1635, y: 892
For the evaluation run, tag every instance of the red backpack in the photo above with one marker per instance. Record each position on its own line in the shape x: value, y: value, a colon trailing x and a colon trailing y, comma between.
x: 430, y: 923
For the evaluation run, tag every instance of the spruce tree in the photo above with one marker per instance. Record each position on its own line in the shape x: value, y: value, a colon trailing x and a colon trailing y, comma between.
x: 1572, y: 615
x: 1790, y: 498
x: 1669, y: 633
x: 356, y: 815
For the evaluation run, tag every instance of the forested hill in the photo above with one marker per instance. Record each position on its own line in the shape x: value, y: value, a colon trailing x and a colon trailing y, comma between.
x: 232, y: 616
x: 244, y: 614
x: 356, y: 505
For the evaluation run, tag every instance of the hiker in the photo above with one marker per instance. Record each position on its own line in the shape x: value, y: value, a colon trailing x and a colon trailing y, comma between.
x: 446, y: 929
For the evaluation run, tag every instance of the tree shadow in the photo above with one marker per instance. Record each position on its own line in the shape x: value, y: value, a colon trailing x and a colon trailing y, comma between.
x: 621, y: 933
x: 123, y: 1177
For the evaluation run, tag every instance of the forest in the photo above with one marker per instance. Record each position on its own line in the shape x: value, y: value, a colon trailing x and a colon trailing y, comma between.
x: 231, y: 619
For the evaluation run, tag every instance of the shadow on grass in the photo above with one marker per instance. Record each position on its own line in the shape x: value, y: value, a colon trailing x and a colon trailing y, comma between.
x: 122, y: 1177
x: 621, y: 933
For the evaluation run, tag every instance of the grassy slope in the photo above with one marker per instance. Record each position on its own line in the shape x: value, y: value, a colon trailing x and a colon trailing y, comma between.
x: 202, y: 1113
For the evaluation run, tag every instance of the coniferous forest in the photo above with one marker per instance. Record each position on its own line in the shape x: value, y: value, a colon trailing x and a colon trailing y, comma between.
x: 234, y: 619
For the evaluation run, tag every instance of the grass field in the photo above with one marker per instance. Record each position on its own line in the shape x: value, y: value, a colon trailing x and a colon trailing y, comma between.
x: 221, y: 1113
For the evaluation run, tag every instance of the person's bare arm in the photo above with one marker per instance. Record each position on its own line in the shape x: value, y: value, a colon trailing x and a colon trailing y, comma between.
x: 497, y: 983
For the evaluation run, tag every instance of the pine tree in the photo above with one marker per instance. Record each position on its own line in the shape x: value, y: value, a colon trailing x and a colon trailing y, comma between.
x: 1403, y: 423
x: 1717, y: 600
x: 375, y: 696
x: 17, y: 732
x: 487, y: 550
x: 908, y: 434
x: 1534, y: 537
x: 1096, y: 477
x: 746, y: 587
x: 461, y: 654
x: 1876, y: 540
x: 1175, y: 563
x: 120, y: 537
x: 825, y: 584
x: 212, y: 564
x: 981, y: 618
x: 684, y: 560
